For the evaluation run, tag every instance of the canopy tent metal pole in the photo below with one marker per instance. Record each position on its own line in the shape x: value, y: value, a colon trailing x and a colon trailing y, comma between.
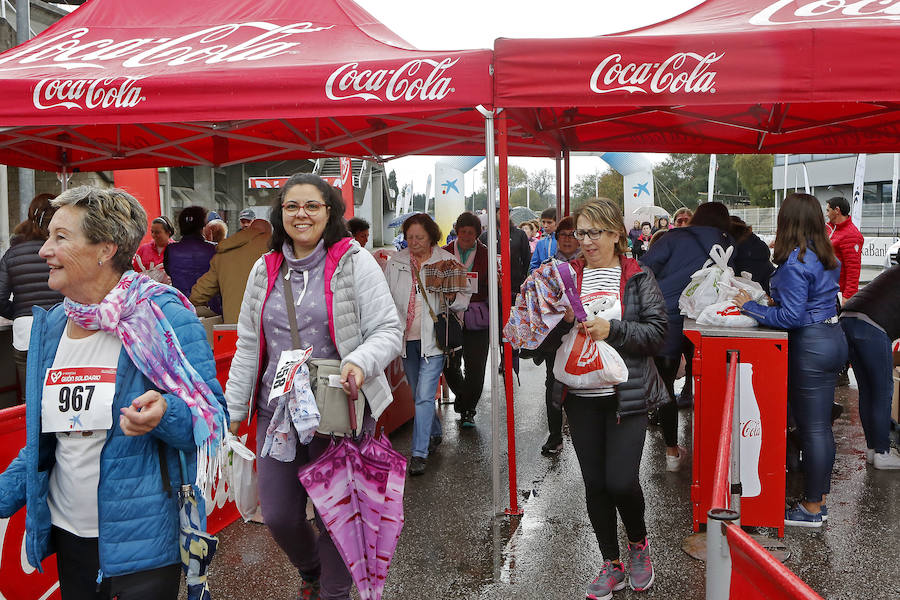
x: 26, y: 176
x: 567, y: 183
x: 493, y: 303
x: 507, y: 295
x: 4, y: 208
x: 559, y: 205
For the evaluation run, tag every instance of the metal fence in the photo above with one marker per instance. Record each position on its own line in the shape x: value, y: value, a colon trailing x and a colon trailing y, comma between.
x: 882, y: 220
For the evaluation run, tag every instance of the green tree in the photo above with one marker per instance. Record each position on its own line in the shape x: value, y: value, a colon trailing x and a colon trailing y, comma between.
x: 679, y: 179
x: 755, y: 173
x: 516, y: 176
x: 682, y: 179
x: 608, y: 184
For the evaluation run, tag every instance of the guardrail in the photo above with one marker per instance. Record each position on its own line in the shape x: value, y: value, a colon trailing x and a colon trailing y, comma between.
x: 736, y: 565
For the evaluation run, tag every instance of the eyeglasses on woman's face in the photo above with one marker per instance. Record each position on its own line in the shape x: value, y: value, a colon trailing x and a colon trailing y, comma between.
x: 594, y: 234
x: 310, y: 207
x: 565, y: 234
x: 682, y: 220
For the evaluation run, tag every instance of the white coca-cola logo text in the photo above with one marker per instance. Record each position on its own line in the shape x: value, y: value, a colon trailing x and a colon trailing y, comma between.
x: 219, y: 44
x: 402, y: 83
x: 686, y: 72
x: 113, y: 92
x: 781, y: 13
x: 751, y: 428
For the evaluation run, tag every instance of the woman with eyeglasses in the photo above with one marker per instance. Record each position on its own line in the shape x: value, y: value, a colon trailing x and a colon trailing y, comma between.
x: 344, y: 311
x: 804, y: 301
x: 567, y: 248
x: 23, y: 280
x: 423, y: 359
x: 608, y: 424
x: 682, y: 217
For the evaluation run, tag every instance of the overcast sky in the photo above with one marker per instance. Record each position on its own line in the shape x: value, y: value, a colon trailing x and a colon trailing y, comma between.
x: 434, y: 25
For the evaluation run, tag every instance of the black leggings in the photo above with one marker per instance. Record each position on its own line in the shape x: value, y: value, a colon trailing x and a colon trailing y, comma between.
x: 668, y: 412
x: 467, y: 386
x: 609, y: 452
x: 78, y: 562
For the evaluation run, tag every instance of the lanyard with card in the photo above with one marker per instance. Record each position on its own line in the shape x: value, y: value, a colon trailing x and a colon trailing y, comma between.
x: 289, y: 363
x: 78, y: 399
x: 472, y: 282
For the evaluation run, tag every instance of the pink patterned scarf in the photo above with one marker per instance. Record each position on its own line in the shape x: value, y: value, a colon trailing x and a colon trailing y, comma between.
x: 130, y: 313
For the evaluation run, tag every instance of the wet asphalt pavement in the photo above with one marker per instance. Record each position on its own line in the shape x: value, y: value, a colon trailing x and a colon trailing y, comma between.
x: 452, y: 548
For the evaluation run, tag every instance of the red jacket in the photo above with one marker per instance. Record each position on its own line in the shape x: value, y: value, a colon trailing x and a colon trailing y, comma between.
x: 847, y: 242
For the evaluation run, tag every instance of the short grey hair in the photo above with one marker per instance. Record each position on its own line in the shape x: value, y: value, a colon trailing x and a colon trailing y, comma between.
x: 110, y: 215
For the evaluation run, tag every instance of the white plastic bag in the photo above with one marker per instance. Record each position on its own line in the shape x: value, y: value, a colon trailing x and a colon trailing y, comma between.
x: 707, y: 285
x: 583, y: 364
x: 729, y: 287
x: 241, y: 476
x: 725, y: 314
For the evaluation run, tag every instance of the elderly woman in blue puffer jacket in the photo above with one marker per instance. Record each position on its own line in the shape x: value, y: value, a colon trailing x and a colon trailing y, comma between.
x: 107, y: 417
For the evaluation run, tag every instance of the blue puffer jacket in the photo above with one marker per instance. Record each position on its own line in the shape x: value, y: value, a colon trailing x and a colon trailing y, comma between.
x: 544, y: 249
x: 804, y: 293
x: 138, y: 518
x: 673, y: 258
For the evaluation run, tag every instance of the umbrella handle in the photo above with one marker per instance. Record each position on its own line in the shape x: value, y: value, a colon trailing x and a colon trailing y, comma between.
x: 351, y: 401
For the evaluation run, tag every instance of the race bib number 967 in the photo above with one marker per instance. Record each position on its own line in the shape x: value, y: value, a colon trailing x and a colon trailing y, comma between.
x: 78, y: 399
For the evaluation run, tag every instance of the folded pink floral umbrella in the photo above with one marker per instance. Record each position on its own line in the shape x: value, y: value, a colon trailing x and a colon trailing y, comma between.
x: 392, y: 511
x: 355, y: 488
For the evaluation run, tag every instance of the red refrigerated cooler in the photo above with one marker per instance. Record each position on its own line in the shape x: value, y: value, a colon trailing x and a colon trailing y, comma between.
x: 761, y: 393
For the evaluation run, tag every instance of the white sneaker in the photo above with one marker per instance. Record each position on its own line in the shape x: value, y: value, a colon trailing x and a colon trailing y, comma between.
x: 674, y: 463
x: 870, y: 455
x: 888, y: 460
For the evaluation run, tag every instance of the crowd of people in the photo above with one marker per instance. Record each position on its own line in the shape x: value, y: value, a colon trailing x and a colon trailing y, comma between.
x: 303, y: 280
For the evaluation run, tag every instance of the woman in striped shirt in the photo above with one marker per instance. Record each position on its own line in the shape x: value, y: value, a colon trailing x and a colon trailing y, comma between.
x: 608, y: 425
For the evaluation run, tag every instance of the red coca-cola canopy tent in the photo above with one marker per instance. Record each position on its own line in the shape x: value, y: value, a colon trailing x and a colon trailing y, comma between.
x: 124, y: 83
x: 729, y: 76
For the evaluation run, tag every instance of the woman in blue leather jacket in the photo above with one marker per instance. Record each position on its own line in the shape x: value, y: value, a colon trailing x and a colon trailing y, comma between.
x: 804, y: 301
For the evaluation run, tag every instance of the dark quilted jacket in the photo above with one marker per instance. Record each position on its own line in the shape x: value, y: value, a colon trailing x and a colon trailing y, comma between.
x: 186, y: 261
x: 638, y: 337
x: 24, y: 275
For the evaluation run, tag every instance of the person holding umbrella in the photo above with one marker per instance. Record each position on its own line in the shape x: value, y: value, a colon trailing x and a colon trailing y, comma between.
x: 608, y: 424
x: 121, y: 386
x: 344, y: 311
x: 423, y: 359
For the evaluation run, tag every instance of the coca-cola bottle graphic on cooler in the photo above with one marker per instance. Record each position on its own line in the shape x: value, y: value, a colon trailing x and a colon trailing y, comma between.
x: 751, y: 433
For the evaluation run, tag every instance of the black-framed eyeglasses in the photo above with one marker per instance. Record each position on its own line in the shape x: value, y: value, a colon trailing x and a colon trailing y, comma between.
x: 594, y: 234
x: 568, y: 234
x: 683, y: 220
x: 311, y: 208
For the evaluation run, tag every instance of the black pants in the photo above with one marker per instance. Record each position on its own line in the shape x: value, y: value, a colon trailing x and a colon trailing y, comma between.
x: 554, y: 414
x: 668, y: 412
x: 609, y: 452
x: 688, y: 352
x: 78, y: 562
x: 467, y: 386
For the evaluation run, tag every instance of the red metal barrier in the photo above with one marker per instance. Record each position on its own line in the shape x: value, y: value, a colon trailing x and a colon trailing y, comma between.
x: 18, y: 580
x: 721, y: 497
x: 757, y: 574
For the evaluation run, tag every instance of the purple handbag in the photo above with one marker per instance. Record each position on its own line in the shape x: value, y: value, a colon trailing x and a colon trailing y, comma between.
x: 477, y: 316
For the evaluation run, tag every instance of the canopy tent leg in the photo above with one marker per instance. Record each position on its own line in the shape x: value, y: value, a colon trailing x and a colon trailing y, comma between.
x: 559, y: 206
x: 493, y: 303
x: 4, y: 209
x: 507, y: 294
x: 567, y: 185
